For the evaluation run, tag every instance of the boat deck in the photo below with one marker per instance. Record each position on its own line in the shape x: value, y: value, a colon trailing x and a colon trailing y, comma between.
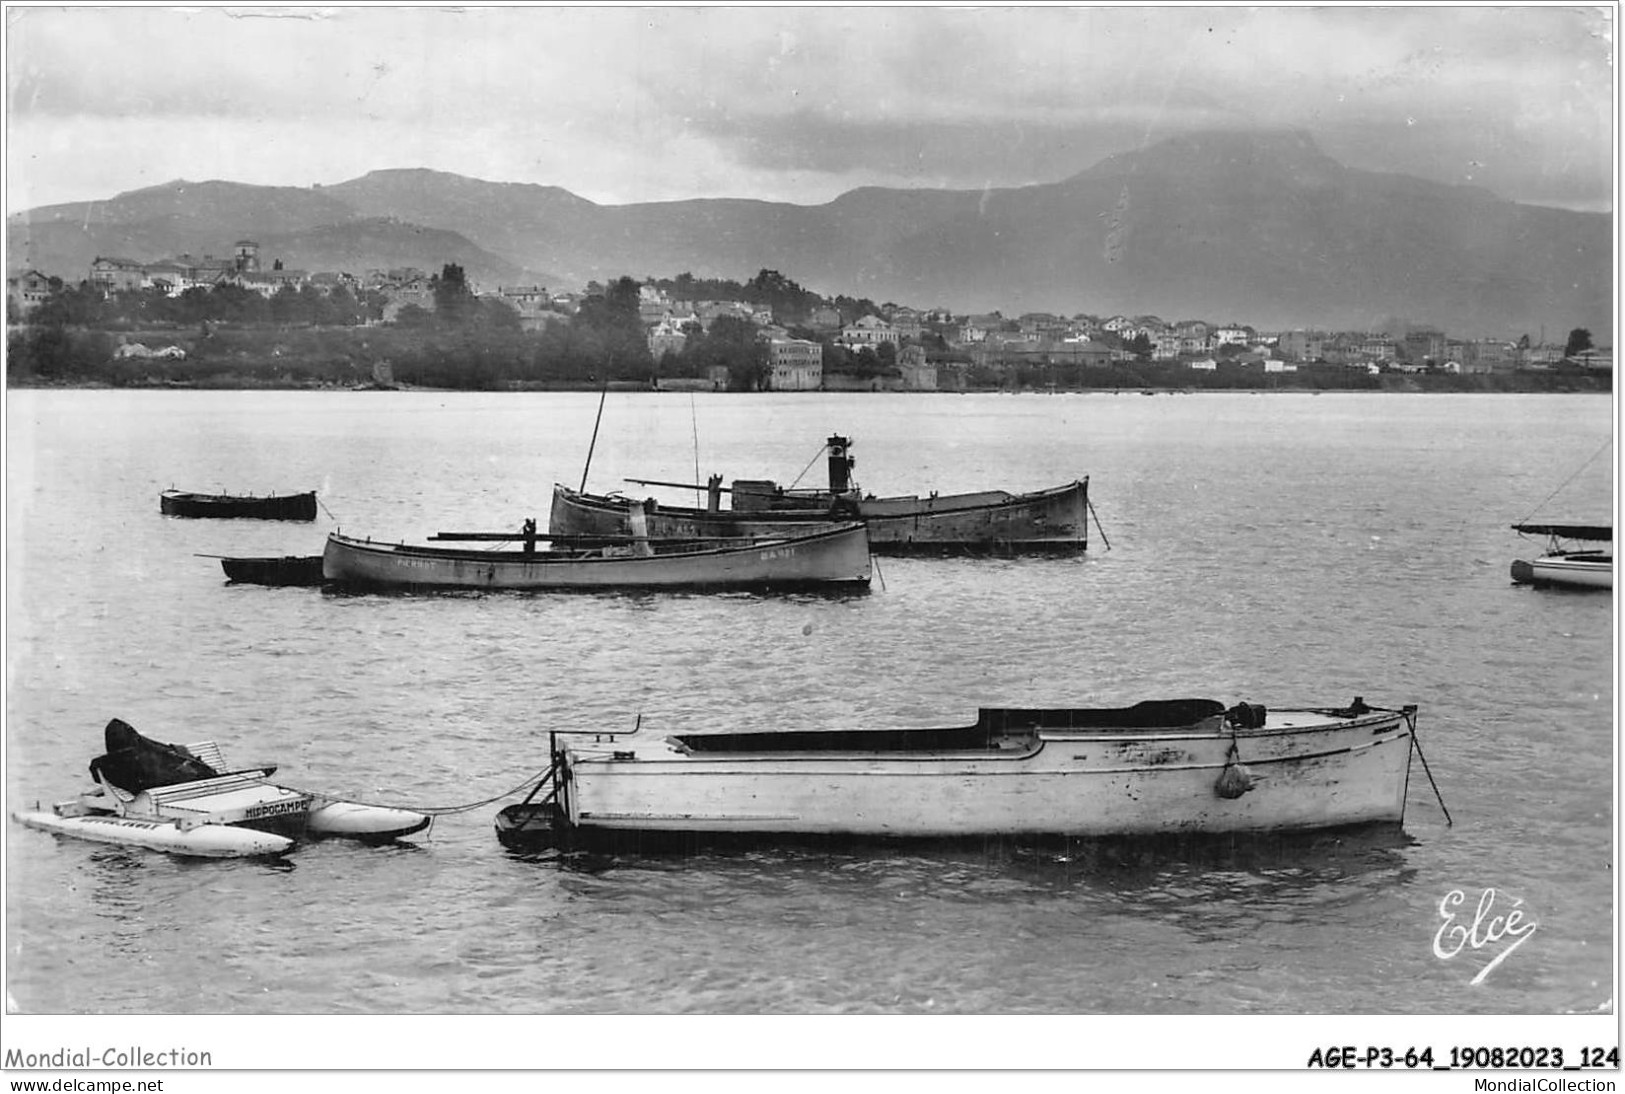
x: 998, y: 733
x: 229, y: 799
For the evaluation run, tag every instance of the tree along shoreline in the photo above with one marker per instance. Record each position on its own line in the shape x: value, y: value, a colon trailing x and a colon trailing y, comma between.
x: 1522, y: 383
x: 229, y: 337
x: 574, y: 358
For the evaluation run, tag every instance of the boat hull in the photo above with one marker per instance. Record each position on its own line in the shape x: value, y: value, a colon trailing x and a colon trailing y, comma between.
x: 1572, y: 571
x: 989, y: 522
x: 834, y: 558
x: 180, y: 503
x: 368, y: 823
x: 1307, y: 770
x: 286, y: 570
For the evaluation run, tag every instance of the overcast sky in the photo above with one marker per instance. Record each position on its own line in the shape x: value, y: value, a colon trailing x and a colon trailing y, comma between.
x: 652, y: 103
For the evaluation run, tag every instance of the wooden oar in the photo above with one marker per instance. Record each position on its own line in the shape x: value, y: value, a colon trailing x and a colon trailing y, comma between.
x: 251, y: 558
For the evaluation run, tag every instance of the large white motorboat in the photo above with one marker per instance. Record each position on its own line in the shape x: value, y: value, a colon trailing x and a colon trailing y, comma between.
x: 1188, y: 766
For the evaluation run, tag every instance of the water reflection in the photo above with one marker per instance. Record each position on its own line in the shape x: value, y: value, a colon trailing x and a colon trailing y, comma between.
x: 1260, y: 867
x: 447, y: 697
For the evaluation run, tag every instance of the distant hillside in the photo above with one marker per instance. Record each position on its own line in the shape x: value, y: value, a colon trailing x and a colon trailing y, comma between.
x: 305, y: 229
x: 1254, y: 227
x: 380, y: 243
x: 174, y: 218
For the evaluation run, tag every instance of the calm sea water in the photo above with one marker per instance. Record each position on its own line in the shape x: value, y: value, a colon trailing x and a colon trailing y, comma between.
x: 1280, y: 549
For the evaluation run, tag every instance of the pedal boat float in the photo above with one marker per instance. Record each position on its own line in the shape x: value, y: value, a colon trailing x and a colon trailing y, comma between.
x: 182, y: 800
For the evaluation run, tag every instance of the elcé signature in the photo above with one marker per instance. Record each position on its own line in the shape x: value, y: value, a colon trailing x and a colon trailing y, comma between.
x: 1487, y: 929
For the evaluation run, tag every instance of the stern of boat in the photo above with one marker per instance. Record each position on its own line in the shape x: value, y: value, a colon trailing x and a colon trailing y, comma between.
x: 530, y: 826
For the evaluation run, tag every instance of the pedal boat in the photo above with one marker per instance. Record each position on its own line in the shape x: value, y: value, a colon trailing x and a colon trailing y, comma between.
x: 183, y: 800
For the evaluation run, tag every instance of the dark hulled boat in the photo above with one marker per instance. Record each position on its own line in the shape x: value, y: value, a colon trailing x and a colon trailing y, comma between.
x: 286, y: 570
x: 985, y: 522
x: 182, y: 503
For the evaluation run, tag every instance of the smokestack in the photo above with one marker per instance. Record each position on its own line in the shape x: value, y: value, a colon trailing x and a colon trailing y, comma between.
x: 840, y: 465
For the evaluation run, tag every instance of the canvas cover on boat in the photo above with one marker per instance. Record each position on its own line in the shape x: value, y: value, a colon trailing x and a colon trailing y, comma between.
x: 136, y: 763
x: 1150, y: 714
x: 1598, y: 533
x: 994, y: 725
x: 958, y: 739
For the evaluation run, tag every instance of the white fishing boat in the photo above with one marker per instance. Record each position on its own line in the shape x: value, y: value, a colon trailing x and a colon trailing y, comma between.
x: 1174, y: 766
x: 830, y: 556
x: 183, y: 800
x: 1561, y: 564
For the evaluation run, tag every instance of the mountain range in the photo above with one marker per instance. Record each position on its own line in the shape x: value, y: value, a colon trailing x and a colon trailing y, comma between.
x: 1257, y: 227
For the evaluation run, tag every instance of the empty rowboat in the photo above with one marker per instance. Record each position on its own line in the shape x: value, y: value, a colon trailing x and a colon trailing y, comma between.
x: 182, y: 503
x: 278, y: 570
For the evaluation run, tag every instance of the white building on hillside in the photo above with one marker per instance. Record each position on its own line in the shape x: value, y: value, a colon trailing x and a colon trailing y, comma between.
x: 796, y: 364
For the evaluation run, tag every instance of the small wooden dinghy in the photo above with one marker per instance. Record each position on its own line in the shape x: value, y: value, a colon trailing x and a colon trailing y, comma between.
x: 286, y: 570
x: 183, y: 801
x: 184, y: 503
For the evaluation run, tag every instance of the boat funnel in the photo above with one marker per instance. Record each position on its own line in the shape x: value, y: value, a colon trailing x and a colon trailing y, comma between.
x: 840, y: 464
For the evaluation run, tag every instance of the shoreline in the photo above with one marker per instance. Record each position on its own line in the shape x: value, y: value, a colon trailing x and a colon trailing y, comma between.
x: 1405, y: 386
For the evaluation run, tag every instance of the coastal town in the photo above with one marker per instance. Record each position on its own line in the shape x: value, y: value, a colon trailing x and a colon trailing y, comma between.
x: 148, y: 319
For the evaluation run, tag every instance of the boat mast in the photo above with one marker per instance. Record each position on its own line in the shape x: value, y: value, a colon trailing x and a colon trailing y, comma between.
x: 694, y: 419
x: 594, y: 443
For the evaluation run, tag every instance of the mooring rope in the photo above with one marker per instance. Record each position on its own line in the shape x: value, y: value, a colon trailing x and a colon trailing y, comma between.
x: 1098, y: 527
x: 430, y: 810
x: 1570, y: 479
x: 1416, y: 743
x: 808, y: 468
